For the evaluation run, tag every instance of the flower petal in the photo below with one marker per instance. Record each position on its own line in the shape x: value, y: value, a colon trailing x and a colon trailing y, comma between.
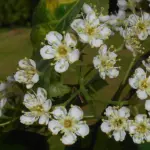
x: 96, y: 42
x: 35, y: 78
x: 76, y: 112
x: 54, y: 38
x: 147, y: 105
x: 82, y: 129
x: 87, y: 8
x: 124, y: 112
x: 106, y: 127
x: 134, y: 83
x: 140, y: 118
x: 74, y: 56
x: 47, y: 52
x: 69, y: 139
x: 141, y: 94
x: 47, y: 105
x: 70, y: 40
x: 42, y: 95
x: 59, y: 112
x: 54, y: 126
x: 143, y: 35
x: 61, y: 66
x: 44, y: 119
x: 28, y: 119
x: 119, y: 135
x: 112, y: 73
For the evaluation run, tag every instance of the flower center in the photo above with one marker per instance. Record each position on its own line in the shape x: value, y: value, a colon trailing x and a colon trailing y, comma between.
x: 38, y: 108
x: 143, y: 84
x: 142, y: 128
x: 67, y: 123
x: 90, y: 30
x: 62, y: 51
x: 141, y: 26
x: 118, y: 122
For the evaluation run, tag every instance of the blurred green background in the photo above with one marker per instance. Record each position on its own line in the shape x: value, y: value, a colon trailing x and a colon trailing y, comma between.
x: 15, y: 44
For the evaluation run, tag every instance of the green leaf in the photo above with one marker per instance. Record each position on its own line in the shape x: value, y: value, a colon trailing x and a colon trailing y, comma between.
x: 57, y: 89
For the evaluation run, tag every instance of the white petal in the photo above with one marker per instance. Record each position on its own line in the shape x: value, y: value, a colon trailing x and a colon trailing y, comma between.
x: 76, y: 112
x: 74, y: 56
x: 83, y: 37
x: 30, y: 85
x: 105, y: 32
x: 70, y: 40
x: 140, y: 118
x: 124, y: 112
x: 54, y: 38
x: 54, y: 126
x: 41, y: 94
x: 3, y: 86
x: 59, y: 112
x: 132, y: 20
x: 122, y: 4
x: 121, y: 14
x: 119, y: 135
x: 102, y: 75
x: 146, y: 16
x: 35, y: 78
x: 137, y: 140
x: 104, y: 18
x: 83, y: 129
x: 28, y: 119
x: 147, y: 105
x: 91, y: 17
x: 61, y: 66
x: 44, y: 119
x: 96, y: 42
x: 78, y: 25
x: 47, y: 105
x: 96, y: 62
x: 133, y: 82
x: 140, y: 73
x: 147, y: 137
x: 27, y: 63
x: 87, y: 8
x: 141, y: 94
x: 132, y: 129
x: 113, y: 73
x: 20, y: 76
x: 106, y: 127
x: 109, y: 111
x: 143, y: 35
x: 103, y: 49
x: 69, y: 139
x: 47, y: 52
x: 30, y: 101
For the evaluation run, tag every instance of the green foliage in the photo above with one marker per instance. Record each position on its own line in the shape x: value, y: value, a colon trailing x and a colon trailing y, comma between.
x: 15, y: 12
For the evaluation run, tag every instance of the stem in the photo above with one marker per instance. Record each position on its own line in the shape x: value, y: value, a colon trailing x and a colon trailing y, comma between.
x: 124, y: 82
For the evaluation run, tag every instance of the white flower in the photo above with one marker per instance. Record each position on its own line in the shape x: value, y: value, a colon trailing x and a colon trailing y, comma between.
x: 2, y: 104
x: 104, y: 63
x: 116, y: 124
x: 147, y: 64
x: 63, y: 51
x: 38, y: 106
x: 89, y: 29
x: 139, y: 129
x: 27, y: 73
x: 87, y: 9
x: 147, y: 105
x: 140, y: 25
x: 122, y: 4
x: 69, y: 124
x: 140, y: 82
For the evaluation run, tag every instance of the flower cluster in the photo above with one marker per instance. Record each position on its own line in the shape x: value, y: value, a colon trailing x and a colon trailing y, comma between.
x: 58, y: 120
x: 90, y: 29
x: 104, y: 62
x: 27, y: 73
x: 62, y: 50
x: 69, y: 124
x: 141, y: 83
x: 116, y: 122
